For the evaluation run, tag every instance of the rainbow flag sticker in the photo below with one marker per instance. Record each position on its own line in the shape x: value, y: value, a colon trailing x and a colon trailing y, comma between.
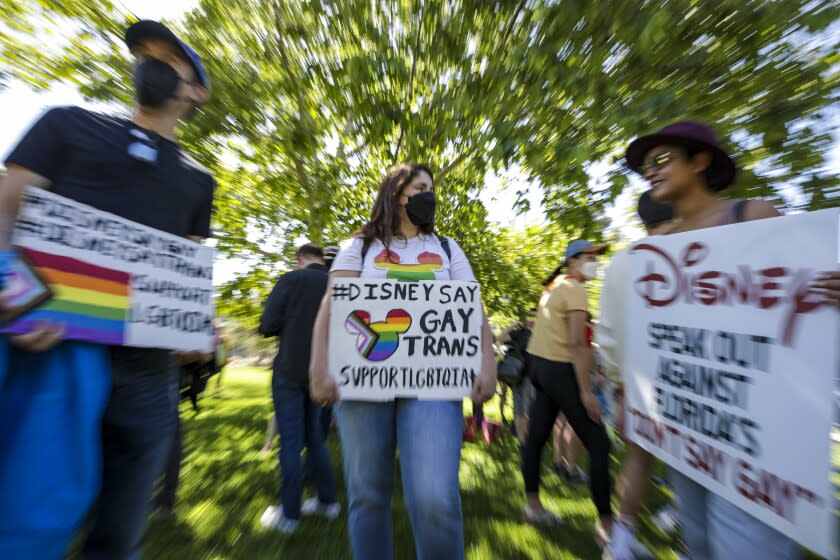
x: 92, y: 302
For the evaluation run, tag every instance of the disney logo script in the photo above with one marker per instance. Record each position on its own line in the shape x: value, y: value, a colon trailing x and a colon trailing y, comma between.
x: 763, y: 289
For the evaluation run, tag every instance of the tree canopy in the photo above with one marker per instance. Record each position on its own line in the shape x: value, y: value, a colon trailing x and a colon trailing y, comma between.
x: 312, y: 100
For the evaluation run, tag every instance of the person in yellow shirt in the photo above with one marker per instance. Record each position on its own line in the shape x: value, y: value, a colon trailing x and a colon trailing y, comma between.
x: 560, y: 362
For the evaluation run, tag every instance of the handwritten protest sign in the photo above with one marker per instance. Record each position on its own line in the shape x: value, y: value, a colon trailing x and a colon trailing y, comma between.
x: 393, y: 339
x: 114, y: 281
x: 730, y: 364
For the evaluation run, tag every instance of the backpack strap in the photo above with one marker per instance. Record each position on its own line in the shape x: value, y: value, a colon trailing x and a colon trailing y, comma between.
x: 444, y: 244
x: 365, y: 247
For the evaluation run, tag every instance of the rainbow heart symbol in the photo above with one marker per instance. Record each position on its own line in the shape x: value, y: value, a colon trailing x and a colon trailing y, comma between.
x: 378, y: 341
x: 427, y: 264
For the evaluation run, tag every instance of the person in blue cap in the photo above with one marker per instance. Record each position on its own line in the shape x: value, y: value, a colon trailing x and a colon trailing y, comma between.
x: 81, y: 419
x: 560, y: 368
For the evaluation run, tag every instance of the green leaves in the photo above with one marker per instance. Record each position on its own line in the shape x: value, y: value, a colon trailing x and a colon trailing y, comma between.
x: 313, y: 100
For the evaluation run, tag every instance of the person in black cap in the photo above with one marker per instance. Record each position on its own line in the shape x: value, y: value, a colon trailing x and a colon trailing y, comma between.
x: 631, y: 486
x: 133, y: 168
x: 686, y: 167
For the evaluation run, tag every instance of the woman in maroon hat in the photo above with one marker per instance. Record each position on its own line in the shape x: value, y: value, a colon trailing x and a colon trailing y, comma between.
x: 687, y: 168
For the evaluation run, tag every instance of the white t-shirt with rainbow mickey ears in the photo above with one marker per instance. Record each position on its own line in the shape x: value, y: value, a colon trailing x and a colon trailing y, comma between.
x: 418, y: 258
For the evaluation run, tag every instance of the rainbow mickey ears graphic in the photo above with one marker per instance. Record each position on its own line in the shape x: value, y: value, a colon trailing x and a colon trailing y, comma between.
x: 378, y: 341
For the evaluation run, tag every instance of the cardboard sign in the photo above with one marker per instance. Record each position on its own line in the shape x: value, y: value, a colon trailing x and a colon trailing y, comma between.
x: 113, y: 281
x: 392, y: 339
x: 730, y: 364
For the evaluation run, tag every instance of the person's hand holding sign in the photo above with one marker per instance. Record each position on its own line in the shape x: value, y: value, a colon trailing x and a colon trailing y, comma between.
x: 322, y: 388
x: 45, y: 337
x: 828, y: 285
x: 484, y: 386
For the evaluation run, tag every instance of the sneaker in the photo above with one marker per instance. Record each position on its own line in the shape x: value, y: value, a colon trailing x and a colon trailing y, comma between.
x: 313, y: 506
x: 577, y: 476
x: 574, y: 475
x: 602, y: 536
x: 666, y: 520
x: 541, y: 517
x: 560, y: 470
x: 273, y: 518
x: 621, y: 543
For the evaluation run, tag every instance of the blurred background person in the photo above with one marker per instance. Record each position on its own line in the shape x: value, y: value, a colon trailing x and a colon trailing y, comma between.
x: 222, y: 353
x: 638, y: 465
x: 270, y: 434
x: 516, y: 338
x: 289, y: 314
x: 567, y: 445
x: 195, y: 376
x: 560, y: 368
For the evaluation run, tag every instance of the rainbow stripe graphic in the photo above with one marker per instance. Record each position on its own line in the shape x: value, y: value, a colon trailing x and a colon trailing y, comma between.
x: 427, y: 264
x: 91, y: 301
x: 378, y: 341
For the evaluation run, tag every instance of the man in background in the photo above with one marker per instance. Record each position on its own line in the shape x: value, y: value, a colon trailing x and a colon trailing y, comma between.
x: 290, y: 315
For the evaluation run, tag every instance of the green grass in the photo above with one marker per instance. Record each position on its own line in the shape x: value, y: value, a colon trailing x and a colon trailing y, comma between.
x: 226, y: 485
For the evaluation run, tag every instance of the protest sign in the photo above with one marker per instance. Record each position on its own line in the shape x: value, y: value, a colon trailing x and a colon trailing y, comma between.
x: 393, y: 339
x: 113, y: 281
x: 730, y: 364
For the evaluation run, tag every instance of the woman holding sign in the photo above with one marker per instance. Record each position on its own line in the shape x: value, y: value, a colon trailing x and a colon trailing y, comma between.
x: 561, y: 361
x: 687, y: 168
x: 399, y: 242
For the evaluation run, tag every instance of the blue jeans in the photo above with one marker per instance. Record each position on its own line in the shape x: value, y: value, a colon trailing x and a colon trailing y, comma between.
x: 714, y: 529
x: 299, y: 426
x: 137, y: 432
x: 51, y: 406
x: 428, y: 435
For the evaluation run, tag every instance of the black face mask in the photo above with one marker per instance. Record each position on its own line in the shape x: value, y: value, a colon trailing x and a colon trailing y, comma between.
x: 421, y: 209
x: 155, y: 82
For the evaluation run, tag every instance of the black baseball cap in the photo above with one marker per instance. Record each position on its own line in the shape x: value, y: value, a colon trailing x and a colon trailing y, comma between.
x: 149, y: 29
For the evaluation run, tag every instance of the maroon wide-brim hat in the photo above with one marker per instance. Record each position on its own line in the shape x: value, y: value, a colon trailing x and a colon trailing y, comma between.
x: 691, y: 134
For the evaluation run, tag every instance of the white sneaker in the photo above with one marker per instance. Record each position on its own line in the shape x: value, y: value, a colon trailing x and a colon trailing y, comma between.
x: 667, y: 520
x: 313, y: 506
x: 623, y: 544
x: 273, y: 518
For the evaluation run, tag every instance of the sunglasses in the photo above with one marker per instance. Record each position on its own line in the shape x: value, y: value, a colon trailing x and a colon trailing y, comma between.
x: 656, y: 163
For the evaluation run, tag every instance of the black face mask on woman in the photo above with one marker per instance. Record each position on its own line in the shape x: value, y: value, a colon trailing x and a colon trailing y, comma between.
x: 155, y: 82
x: 420, y: 209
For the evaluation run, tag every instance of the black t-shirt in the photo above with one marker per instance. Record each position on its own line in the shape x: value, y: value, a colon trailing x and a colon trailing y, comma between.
x: 86, y: 157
